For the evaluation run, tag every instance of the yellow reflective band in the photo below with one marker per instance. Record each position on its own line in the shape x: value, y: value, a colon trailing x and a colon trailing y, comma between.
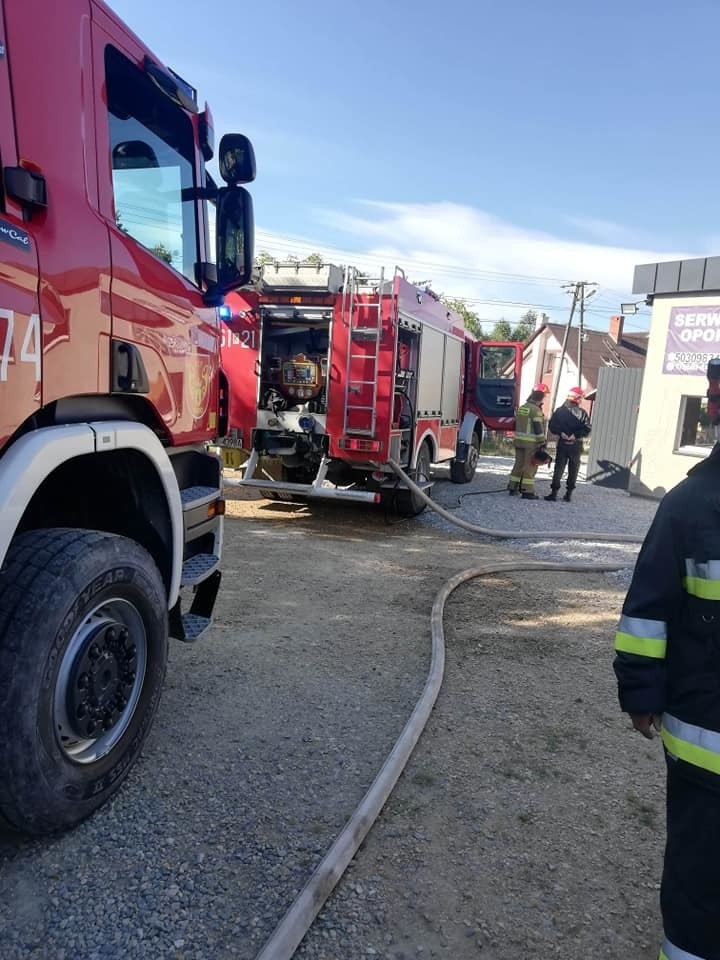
x: 690, y: 753
x: 699, y: 587
x: 663, y: 955
x: 642, y: 646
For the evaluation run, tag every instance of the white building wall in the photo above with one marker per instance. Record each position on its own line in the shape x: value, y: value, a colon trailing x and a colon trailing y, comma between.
x: 657, y: 464
x: 534, y: 367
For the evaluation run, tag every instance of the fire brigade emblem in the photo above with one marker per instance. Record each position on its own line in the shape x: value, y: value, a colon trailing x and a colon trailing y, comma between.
x: 198, y: 375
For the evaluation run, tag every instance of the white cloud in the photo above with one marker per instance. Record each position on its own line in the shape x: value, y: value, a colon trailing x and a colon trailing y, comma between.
x: 472, y: 254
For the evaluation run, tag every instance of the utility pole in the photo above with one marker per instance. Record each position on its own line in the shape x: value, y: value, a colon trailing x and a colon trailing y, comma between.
x: 583, y: 296
x: 580, y: 295
x: 556, y: 379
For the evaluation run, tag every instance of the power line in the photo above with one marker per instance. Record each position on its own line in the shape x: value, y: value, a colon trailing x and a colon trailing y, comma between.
x: 291, y: 243
x: 604, y: 306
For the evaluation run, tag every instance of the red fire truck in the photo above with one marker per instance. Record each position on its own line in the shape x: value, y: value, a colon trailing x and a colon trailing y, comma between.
x: 109, y: 390
x: 334, y: 374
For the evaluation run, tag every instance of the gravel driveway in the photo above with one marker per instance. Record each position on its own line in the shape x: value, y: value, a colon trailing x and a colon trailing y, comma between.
x: 528, y: 817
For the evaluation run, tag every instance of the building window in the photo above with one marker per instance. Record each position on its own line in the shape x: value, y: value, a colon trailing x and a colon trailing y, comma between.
x: 549, y: 362
x: 696, y: 435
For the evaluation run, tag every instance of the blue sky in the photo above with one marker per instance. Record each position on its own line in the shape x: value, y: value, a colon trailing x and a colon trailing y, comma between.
x: 482, y: 145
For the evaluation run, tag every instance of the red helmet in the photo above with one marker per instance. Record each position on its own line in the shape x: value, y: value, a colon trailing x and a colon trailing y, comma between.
x: 541, y: 388
x: 713, y: 394
x: 575, y: 394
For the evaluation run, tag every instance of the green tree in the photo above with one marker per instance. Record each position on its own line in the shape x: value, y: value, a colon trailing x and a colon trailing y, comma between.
x: 501, y: 330
x: 519, y: 332
x: 470, y: 318
x: 165, y: 253
x: 525, y: 328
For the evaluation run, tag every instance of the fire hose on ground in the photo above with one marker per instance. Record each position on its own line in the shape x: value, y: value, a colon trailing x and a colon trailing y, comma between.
x: 289, y: 933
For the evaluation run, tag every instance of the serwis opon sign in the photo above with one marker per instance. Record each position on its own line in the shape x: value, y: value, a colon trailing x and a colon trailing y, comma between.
x: 693, y: 337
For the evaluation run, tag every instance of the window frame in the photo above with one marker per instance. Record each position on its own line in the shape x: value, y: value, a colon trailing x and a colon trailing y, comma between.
x: 506, y: 365
x: 198, y: 221
x: 688, y: 449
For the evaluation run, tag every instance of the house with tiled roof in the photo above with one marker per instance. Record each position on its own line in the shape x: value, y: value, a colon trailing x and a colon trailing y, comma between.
x: 542, y: 353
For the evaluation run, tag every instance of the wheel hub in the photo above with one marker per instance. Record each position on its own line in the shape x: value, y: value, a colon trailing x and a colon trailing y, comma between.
x: 101, y: 680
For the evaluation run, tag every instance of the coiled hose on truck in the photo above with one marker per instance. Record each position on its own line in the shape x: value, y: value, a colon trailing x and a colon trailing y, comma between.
x: 288, y: 934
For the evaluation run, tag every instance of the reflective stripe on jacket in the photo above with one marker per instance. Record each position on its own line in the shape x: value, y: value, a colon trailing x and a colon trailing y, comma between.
x: 529, y: 425
x: 668, y: 639
x: 670, y: 952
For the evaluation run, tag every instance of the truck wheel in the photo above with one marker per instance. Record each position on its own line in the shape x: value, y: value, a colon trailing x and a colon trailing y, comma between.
x: 83, y: 651
x: 409, y: 504
x: 464, y: 472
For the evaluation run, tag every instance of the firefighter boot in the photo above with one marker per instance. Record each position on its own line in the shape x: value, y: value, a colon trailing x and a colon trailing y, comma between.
x: 552, y: 495
x: 568, y: 496
x: 530, y: 496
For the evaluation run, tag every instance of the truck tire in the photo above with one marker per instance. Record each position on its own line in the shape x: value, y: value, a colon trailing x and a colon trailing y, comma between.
x: 83, y: 652
x: 465, y: 471
x: 409, y: 504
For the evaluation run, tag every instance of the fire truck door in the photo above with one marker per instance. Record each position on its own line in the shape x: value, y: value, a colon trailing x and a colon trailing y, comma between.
x: 20, y: 337
x: 168, y: 340
x: 495, y: 391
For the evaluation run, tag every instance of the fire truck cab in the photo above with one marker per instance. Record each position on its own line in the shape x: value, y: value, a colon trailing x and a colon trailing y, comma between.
x: 335, y: 374
x: 110, y: 389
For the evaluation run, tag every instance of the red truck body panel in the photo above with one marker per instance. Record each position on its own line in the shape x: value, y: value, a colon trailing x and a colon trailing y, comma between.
x: 94, y: 281
x: 422, y: 367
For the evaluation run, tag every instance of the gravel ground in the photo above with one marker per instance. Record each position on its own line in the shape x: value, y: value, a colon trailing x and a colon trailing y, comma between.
x: 485, y: 501
x: 500, y: 838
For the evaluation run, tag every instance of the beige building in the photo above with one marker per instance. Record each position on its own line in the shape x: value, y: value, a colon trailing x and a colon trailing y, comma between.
x: 673, y: 431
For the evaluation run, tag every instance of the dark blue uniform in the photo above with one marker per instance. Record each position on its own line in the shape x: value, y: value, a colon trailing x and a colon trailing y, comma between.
x: 569, y: 419
x: 668, y: 662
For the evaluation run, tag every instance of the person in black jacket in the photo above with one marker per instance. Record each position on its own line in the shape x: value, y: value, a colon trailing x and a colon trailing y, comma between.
x: 571, y: 425
x: 667, y: 665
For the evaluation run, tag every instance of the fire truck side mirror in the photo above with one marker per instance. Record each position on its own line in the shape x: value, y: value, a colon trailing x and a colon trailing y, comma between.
x: 236, y: 159
x: 235, y: 240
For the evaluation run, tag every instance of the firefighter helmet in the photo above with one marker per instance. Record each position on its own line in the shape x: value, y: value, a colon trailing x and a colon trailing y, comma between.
x: 541, y: 457
x: 541, y: 388
x: 713, y: 394
x: 575, y: 394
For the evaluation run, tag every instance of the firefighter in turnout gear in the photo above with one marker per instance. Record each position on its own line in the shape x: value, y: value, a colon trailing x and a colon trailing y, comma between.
x: 571, y: 425
x: 529, y: 437
x: 667, y: 665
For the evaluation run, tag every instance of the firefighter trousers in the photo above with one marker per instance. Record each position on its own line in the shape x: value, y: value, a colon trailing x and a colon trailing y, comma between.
x: 690, y: 891
x: 566, y: 455
x: 522, y: 475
